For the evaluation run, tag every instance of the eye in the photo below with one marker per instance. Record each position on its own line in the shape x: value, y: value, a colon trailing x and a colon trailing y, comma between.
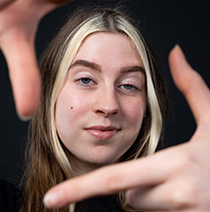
x: 128, y: 86
x: 86, y: 80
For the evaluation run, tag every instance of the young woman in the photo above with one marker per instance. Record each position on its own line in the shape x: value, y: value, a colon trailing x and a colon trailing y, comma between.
x: 104, y: 80
x: 103, y: 101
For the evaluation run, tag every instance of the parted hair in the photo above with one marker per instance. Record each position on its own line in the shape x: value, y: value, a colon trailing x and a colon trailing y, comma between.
x: 47, y: 158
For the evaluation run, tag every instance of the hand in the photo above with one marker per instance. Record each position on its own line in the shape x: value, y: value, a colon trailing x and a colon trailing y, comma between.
x: 175, y: 179
x: 18, y: 24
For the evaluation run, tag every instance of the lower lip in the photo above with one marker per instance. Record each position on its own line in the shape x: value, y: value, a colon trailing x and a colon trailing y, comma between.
x: 102, y: 135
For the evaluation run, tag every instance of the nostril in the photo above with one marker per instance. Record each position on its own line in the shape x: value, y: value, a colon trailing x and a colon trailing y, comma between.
x: 106, y: 105
x: 107, y: 112
x: 100, y: 111
x: 114, y: 113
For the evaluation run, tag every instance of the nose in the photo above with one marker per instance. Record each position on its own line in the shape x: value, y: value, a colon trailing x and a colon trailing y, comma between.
x: 106, y: 103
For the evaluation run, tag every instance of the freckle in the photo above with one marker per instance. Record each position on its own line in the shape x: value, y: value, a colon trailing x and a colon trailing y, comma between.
x: 71, y: 108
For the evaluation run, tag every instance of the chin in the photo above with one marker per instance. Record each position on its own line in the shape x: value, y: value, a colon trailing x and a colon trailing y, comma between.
x: 103, y: 160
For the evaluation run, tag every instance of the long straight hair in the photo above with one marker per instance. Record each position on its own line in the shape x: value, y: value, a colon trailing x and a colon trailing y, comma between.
x: 47, y: 157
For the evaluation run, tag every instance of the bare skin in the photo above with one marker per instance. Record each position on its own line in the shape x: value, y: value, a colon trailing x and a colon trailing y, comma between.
x: 18, y: 25
x: 19, y: 20
x: 180, y: 185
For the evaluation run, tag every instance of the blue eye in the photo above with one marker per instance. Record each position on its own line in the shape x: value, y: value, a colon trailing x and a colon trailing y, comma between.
x: 128, y: 87
x: 85, y: 80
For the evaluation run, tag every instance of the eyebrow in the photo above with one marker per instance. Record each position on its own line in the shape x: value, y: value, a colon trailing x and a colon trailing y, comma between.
x: 97, y: 67
x: 133, y: 69
x: 87, y: 64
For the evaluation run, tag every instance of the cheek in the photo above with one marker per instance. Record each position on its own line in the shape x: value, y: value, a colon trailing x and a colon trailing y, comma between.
x: 70, y: 106
x: 135, y: 112
x: 69, y: 109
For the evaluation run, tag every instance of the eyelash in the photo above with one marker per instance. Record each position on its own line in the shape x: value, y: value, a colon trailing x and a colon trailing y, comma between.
x: 81, y: 81
x: 132, y: 88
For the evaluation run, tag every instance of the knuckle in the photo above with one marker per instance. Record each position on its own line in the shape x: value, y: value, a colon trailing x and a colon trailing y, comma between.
x: 132, y: 199
x: 196, y: 77
x: 183, y: 196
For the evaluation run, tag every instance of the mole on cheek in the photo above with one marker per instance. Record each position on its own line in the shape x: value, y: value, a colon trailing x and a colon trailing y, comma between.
x: 71, y: 108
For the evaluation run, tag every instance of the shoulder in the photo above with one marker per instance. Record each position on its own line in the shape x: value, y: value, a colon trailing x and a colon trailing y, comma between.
x: 10, y: 197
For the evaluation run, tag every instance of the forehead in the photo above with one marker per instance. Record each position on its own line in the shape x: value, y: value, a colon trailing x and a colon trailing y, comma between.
x: 109, y: 48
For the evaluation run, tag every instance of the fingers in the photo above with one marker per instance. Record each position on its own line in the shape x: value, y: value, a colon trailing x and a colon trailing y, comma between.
x: 191, y: 85
x: 109, y: 180
x: 23, y: 72
x: 151, y: 183
x: 18, y: 25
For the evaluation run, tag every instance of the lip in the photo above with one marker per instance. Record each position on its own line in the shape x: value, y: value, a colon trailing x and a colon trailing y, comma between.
x: 102, y: 132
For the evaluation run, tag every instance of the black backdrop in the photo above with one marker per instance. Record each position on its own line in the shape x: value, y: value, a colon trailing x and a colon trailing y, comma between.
x: 165, y: 23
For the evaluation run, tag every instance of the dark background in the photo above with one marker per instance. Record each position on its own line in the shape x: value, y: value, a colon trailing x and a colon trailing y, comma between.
x: 165, y: 24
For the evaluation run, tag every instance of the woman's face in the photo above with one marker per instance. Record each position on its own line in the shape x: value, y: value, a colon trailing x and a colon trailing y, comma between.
x: 100, y: 108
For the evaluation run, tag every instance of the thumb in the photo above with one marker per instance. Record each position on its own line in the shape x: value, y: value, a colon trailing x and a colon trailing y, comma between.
x: 191, y: 84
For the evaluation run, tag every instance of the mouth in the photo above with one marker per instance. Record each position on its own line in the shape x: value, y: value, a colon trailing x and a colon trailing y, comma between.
x: 102, y: 132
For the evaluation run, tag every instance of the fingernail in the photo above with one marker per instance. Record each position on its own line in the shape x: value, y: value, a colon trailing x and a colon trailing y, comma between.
x: 181, y: 54
x: 177, y: 45
x: 25, y: 118
x: 52, y: 199
x: 180, y: 49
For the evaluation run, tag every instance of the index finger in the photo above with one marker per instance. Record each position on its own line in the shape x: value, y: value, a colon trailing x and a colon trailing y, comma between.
x: 109, y: 180
x: 23, y: 72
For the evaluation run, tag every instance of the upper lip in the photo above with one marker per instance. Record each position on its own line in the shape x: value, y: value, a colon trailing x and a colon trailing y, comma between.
x: 102, y: 128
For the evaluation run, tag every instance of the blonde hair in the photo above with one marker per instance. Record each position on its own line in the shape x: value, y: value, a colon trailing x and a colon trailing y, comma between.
x: 48, y: 157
